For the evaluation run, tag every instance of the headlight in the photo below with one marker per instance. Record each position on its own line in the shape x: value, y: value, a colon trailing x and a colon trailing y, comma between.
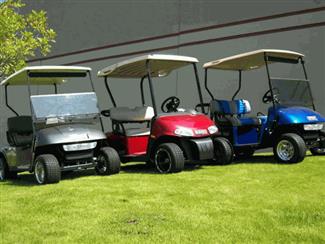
x: 213, y: 129
x: 182, y: 131
x: 313, y: 127
x: 79, y: 146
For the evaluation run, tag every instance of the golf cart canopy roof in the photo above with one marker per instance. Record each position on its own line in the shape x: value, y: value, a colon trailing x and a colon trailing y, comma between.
x: 252, y: 60
x: 161, y: 65
x: 45, y: 75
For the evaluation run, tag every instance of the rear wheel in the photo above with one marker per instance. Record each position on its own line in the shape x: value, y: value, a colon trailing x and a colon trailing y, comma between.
x: 108, y: 161
x: 290, y: 148
x: 47, y: 169
x: 5, y: 174
x: 223, y: 150
x: 169, y: 158
x: 316, y: 151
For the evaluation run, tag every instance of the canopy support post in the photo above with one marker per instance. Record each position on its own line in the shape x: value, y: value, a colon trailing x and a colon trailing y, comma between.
x: 7, y: 103
x: 109, y: 92
x: 151, y: 87
x: 141, y: 89
x: 206, y: 83
x: 198, y: 87
x: 269, y: 78
x: 236, y: 93
x: 306, y: 77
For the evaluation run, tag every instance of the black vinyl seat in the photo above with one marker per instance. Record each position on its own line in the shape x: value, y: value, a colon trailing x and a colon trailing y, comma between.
x: 20, y: 131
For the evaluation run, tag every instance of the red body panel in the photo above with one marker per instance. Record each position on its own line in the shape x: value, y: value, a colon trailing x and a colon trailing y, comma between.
x: 165, y: 125
x: 132, y: 145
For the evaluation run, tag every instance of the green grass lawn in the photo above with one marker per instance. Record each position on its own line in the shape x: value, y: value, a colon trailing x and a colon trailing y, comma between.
x: 260, y: 201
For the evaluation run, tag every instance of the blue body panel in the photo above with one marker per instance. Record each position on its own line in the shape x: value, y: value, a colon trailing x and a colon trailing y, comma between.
x: 298, y: 115
x: 247, y: 137
x: 283, y: 115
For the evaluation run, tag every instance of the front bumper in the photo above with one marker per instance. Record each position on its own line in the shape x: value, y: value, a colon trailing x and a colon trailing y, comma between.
x: 199, y: 149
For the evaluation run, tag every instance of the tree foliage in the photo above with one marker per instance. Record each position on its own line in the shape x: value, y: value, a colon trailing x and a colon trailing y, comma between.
x: 21, y: 36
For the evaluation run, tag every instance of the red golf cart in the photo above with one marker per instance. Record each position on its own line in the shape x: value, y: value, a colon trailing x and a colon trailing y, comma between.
x: 166, y: 139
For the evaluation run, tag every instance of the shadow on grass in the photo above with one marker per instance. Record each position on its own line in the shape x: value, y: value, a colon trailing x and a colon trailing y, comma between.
x: 142, y: 168
x: 263, y: 159
x: 27, y: 179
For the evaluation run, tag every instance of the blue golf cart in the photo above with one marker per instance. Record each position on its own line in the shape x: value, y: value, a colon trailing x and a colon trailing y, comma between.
x: 291, y: 125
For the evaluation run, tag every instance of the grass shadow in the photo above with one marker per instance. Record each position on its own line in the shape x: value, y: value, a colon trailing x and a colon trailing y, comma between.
x: 27, y: 179
x: 143, y: 168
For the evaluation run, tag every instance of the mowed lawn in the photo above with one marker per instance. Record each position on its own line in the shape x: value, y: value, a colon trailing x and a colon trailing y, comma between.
x: 259, y: 201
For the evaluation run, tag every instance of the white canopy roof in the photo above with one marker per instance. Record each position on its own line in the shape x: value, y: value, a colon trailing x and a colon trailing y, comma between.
x: 21, y: 77
x: 250, y: 60
x: 160, y: 65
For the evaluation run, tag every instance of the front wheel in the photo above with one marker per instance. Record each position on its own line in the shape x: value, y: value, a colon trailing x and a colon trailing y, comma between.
x: 169, y: 158
x: 224, y: 152
x: 47, y: 169
x: 290, y: 148
x: 108, y: 161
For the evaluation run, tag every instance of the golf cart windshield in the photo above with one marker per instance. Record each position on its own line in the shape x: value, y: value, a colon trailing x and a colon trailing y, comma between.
x: 292, y: 92
x: 63, y: 108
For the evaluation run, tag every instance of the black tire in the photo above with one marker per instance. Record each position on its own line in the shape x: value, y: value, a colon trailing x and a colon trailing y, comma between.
x: 169, y: 158
x: 223, y: 150
x: 317, y: 151
x: 108, y: 162
x: 5, y: 174
x: 290, y: 148
x: 47, y: 169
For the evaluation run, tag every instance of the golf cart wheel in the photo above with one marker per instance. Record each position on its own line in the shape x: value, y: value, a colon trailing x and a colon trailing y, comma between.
x: 244, y: 153
x: 108, y: 161
x: 47, y: 169
x: 290, y: 148
x: 223, y: 150
x: 5, y: 174
x: 317, y: 151
x: 169, y: 158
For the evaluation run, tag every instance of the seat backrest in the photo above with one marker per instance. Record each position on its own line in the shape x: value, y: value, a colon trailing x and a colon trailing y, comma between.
x: 137, y: 114
x: 20, y: 130
x: 20, y: 124
x: 234, y: 107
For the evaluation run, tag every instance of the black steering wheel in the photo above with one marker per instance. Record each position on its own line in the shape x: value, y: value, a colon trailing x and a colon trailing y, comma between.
x: 267, y: 98
x: 170, y: 104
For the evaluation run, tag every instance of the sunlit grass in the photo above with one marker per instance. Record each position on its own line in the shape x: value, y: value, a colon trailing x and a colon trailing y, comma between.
x: 259, y: 201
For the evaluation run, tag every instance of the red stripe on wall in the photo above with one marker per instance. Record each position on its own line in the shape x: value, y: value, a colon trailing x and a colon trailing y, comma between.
x: 218, y: 39
x: 240, y: 22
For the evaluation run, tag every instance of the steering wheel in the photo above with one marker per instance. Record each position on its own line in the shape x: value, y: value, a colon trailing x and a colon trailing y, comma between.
x: 267, y: 98
x: 170, y: 104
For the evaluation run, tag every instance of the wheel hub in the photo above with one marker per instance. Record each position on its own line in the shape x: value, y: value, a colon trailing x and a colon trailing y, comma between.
x: 2, y: 171
x: 101, y: 165
x: 285, y: 150
x: 39, y: 172
x: 163, y: 160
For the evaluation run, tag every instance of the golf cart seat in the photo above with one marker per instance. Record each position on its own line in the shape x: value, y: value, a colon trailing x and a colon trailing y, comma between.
x: 231, y: 113
x: 137, y: 114
x: 20, y: 131
x: 120, y: 115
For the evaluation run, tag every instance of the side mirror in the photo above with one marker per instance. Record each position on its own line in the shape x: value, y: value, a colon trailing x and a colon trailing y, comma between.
x: 106, y: 113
